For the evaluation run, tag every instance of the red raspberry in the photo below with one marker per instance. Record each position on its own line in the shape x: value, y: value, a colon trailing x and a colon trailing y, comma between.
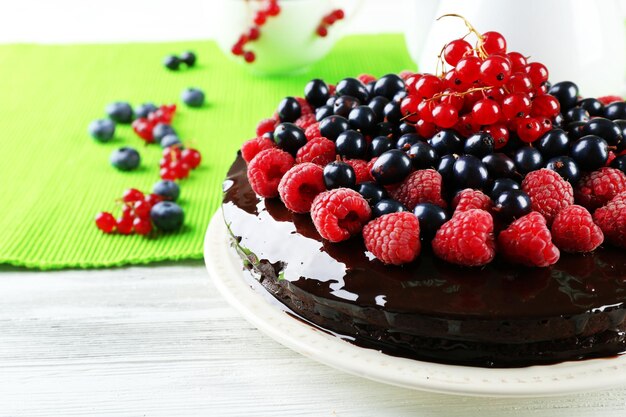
x: 361, y: 170
x: 393, y: 238
x: 366, y: 78
x: 612, y: 220
x: 340, y: 213
x: 573, y: 230
x: 265, y: 126
x: 313, y: 131
x: 304, y: 121
x: 599, y: 187
x: 266, y: 169
x: 528, y: 241
x: 466, y: 239
x: 371, y: 163
x: 471, y: 199
x: 300, y: 185
x: 423, y: 186
x: 305, y: 107
x: 252, y: 147
x: 610, y: 159
x: 320, y: 151
x: 548, y: 191
x: 331, y: 89
x: 405, y: 74
x: 609, y: 99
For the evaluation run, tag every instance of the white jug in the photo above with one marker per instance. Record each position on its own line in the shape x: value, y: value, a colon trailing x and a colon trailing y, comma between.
x: 578, y: 40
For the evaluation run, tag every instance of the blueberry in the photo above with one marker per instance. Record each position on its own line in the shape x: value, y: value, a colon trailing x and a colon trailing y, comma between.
x: 576, y: 114
x: 145, y: 109
x: 446, y: 163
x: 385, y: 129
x: 125, y: 159
x: 289, y: 110
x: 593, y: 106
x: 619, y: 163
x: 499, y: 165
x: 170, y: 140
x: 332, y: 126
x: 386, y: 206
x: 590, y: 152
x: 166, y: 189
x: 431, y: 218
x: 193, y: 97
x: 352, y: 87
x: 615, y: 110
x: 566, y: 167
x: 501, y: 185
x: 380, y: 145
x: 388, y: 86
x: 422, y: 156
x: 555, y: 142
x: 160, y: 130
x: 391, y: 167
x: 102, y: 130
x: 362, y: 118
x: 323, y: 112
x: 378, y: 105
x: 605, y: 128
x: 289, y: 137
x: 393, y: 113
x: 167, y: 216
x: 479, y: 144
x: 189, y: 58
x: 566, y: 92
x: 405, y: 128
x: 120, y: 112
x: 339, y: 174
x: 511, y: 205
x: 446, y: 142
x: 351, y: 144
x: 171, y: 62
x: 405, y: 141
x: 469, y: 172
x: 371, y: 192
x: 316, y: 92
x: 527, y: 159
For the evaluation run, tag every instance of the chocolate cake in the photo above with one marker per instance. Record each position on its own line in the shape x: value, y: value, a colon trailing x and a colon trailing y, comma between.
x: 500, y: 315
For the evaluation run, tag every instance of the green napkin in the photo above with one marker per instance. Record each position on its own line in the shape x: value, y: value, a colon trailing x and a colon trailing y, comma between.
x: 54, y: 178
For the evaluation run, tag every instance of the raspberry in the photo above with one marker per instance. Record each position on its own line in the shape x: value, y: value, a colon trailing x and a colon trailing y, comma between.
x: 609, y: 99
x: 252, y: 147
x: 466, y: 239
x: 361, y: 170
x: 471, y: 199
x: 404, y: 74
x: 300, y: 185
x: 266, y: 169
x: 305, y: 107
x: 423, y: 186
x: 320, y: 151
x: 340, y: 213
x: 313, y: 131
x: 610, y: 159
x: 393, y: 238
x: 306, y: 120
x: 599, y: 187
x: 548, y: 191
x: 573, y: 230
x: 366, y: 78
x: 528, y: 241
x: 612, y: 220
x: 265, y: 126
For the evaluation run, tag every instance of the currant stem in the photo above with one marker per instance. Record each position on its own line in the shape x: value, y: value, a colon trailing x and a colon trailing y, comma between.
x: 471, y: 28
x: 459, y: 94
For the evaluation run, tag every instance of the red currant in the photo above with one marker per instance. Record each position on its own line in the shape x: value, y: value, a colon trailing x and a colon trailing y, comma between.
x: 537, y: 72
x: 143, y: 128
x: 167, y: 174
x: 152, y: 199
x: 142, y: 209
x: 496, y: 94
x: 445, y: 115
x: 495, y: 70
x: 425, y: 129
x: 453, y: 99
x: 161, y: 115
x: 273, y: 9
x: 410, y: 82
x: 466, y: 126
x: 520, y: 83
x: 254, y: 33
x: 131, y: 195
x: 468, y: 69
x: 339, y: 14
x: 545, y: 105
x: 237, y: 49
x: 408, y: 108
x: 428, y: 86
x: 260, y: 18
x: 249, y: 56
x: 515, y: 105
x: 518, y: 61
x: 529, y: 129
x: 456, y: 50
x: 125, y: 225
x: 180, y: 170
x: 191, y: 157
x: 105, y: 222
x: 485, y: 112
x: 142, y: 226
x: 493, y: 43
x: 425, y: 111
x: 322, y: 31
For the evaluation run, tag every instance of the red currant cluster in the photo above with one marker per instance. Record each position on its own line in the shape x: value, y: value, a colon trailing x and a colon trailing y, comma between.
x: 329, y: 20
x: 176, y: 162
x: 270, y: 9
x: 488, y: 89
x: 144, y: 126
x: 135, y: 216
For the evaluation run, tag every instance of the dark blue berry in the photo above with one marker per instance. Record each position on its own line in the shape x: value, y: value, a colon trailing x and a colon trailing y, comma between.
x: 289, y: 110
x: 378, y: 105
x: 499, y: 165
x: 405, y: 141
x: 446, y: 164
x: 619, y: 163
x: 386, y: 206
x: 479, y: 144
x: 621, y: 123
x: 339, y: 174
x: 513, y: 144
x: 160, y: 130
x: 120, y: 112
x: 576, y: 114
x: 193, y: 97
x: 527, y: 159
x: 323, y: 112
x: 370, y: 88
x: 446, y: 142
x: 363, y: 119
x: 168, y: 190
x: 511, y: 205
x: 380, y: 145
x: 331, y: 101
x: 352, y: 87
x: 566, y: 167
x: 604, y: 128
x: 167, y: 216
x: 431, y: 218
x: 615, y: 110
x: 171, y: 62
x: 102, y: 130
x: 469, y: 172
x: 575, y: 130
x: 559, y: 120
x: 405, y: 128
x: 400, y: 95
x: 344, y: 105
x: 189, y: 58
x: 590, y: 152
x: 553, y: 143
x: 388, y: 86
x: 566, y: 92
x: 501, y: 185
x: 393, y: 112
x: 125, y: 159
x: 422, y: 156
x: 144, y: 110
x: 289, y: 137
x: 593, y: 106
x: 371, y: 192
x: 170, y: 140
x: 391, y: 167
x: 351, y: 145
x: 316, y: 92
x: 385, y: 129
x: 332, y: 126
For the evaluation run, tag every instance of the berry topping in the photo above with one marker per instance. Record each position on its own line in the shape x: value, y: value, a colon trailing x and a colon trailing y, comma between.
x: 351, y: 144
x: 320, y: 151
x: 340, y: 213
x: 289, y: 137
x: 393, y: 238
x: 469, y: 199
x: 386, y: 206
x: 548, y: 192
x: 612, y: 220
x: 431, y: 218
x: 391, y: 167
x: 527, y: 241
x: 266, y: 169
x: 599, y: 187
x: 339, y: 174
x: 253, y: 146
x: 371, y: 192
x: 361, y: 170
x: 265, y: 126
x: 300, y: 185
x: 511, y: 204
x: 573, y: 230
x: 590, y: 152
x: 423, y: 186
x: 289, y: 110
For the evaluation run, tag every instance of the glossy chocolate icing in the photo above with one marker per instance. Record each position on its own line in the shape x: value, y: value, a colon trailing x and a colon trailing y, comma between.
x: 501, y: 315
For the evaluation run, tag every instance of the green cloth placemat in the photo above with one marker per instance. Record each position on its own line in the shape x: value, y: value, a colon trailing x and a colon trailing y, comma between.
x: 54, y: 178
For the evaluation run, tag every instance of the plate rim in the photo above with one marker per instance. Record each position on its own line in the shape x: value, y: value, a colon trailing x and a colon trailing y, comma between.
x: 534, y: 381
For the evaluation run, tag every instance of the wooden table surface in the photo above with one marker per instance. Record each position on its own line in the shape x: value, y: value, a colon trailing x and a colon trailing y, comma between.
x: 159, y: 341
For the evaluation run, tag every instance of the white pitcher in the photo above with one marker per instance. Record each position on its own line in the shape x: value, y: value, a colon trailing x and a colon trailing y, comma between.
x: 578, y: 40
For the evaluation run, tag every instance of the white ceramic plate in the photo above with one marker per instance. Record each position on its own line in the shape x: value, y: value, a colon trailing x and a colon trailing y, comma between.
x: 264, y: 312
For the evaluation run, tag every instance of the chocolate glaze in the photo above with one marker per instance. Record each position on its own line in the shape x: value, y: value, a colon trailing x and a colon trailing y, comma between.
x: 501, y: 315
